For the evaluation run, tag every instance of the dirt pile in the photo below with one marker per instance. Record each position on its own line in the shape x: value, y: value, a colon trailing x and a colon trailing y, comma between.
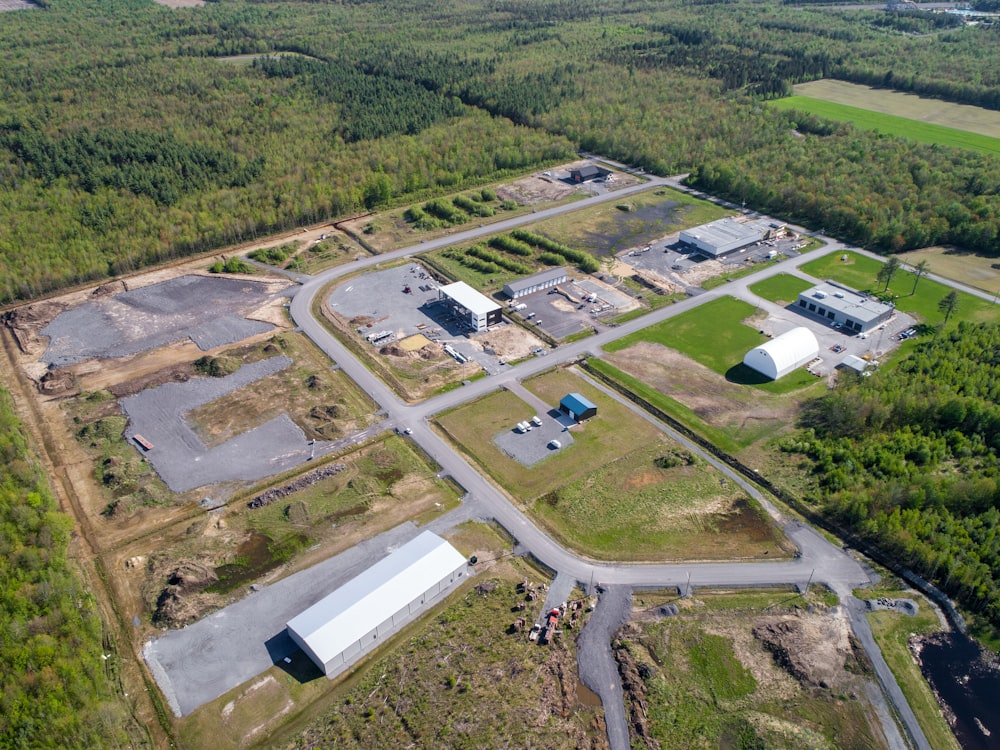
x: 175, y: 606
x: 559, y: 690
x: 812, y: 651
x: 634, y: 685
x: 25, y: 323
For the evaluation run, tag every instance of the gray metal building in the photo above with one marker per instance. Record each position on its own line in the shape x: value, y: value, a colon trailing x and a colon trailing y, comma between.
x: 854, y: 311
x: 729, y: 235
x: 341, y: 627
x: 535, y: 283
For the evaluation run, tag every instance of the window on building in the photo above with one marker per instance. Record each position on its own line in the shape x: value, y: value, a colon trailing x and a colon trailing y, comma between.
x: 812, y: 307
x: 829, y: 314
x: 802, y: 303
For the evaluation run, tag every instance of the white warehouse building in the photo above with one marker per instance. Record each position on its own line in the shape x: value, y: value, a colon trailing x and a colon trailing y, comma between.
x: 478, y: 310
x: 341, y: 627
x: 779, y: 356
x: 535, y: 283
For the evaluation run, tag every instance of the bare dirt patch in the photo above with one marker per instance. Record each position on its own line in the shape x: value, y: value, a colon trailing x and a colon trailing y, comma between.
x: 537, y: 189
x: 701, y: 272
x: 508, y: 342
x: 773, y: 666
x: 709, y: 395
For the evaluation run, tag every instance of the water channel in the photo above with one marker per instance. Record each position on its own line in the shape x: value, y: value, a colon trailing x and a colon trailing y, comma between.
x: 967, y: 681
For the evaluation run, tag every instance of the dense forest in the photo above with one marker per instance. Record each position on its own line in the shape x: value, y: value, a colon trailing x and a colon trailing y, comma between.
x: 908, y: 458
x: 131, y: 135
x: 56, y: 685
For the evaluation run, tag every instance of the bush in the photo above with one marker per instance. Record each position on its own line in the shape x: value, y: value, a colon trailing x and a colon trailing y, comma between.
x: 488, y: 195
x: 273, y: 256
x: 216, y: 367
x: 232, y: 265
x: 509, y: 245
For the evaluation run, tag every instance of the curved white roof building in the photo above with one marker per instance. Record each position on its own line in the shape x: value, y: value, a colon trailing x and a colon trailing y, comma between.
x: 779, y: 356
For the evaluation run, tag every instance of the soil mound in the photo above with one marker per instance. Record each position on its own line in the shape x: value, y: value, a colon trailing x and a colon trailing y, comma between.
x: 813, y: 654
x: 174, y: 606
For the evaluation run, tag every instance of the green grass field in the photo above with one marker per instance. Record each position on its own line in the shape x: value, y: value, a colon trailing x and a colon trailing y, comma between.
x: 781, y: 289
x: 859, y: 272
x: 612, y: 434
x: 923, y: 132
x: 714, y: 335
x: 634, y: 509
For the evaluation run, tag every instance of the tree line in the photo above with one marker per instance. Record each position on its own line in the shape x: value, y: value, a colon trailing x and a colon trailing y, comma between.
x: 908, y: 458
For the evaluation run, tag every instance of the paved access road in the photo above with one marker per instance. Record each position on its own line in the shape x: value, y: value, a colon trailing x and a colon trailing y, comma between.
x: 819, y: 561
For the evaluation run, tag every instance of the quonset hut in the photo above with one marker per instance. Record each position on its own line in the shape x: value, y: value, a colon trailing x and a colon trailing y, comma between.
x: 338, y: 629
x: 779, y: 356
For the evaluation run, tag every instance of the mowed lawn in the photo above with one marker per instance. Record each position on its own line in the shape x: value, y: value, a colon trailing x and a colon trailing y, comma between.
x: 610, y: 435
x: 780, y: 289
x: 715, y: 335
x: 860, y: 271
x: 970, y: 269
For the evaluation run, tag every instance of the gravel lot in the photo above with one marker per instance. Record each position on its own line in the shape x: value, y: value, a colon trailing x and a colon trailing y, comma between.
x: 598, y: 668
x: 179, y: 456
x: 202, y: 661
x: 210, y: 311
x: 531, y: 447
x: 380, y: 296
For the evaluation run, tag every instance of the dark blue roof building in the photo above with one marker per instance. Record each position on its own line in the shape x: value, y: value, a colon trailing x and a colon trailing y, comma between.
x: 577, y: 407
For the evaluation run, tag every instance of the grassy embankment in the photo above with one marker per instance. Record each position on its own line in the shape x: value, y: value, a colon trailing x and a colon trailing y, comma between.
x: 892, y: 632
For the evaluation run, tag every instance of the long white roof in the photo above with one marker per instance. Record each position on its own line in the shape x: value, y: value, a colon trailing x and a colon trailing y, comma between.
x: 469, y: 298
x: 359, y: 606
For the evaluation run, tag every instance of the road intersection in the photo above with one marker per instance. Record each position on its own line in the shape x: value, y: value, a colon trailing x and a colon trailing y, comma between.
x: 819, y: 561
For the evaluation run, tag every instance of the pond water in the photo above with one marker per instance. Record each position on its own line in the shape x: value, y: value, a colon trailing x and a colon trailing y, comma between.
x: 967, y: 681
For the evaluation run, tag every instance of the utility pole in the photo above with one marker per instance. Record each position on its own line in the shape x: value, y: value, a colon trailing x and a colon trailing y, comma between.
x: 810, y: 579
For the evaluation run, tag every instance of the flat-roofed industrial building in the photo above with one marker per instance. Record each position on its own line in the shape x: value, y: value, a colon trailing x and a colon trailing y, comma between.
x: 728, y: 235
x: 344, y: 625
x: 536, y: 283
x: 477, y: 309
x: 832, y: 303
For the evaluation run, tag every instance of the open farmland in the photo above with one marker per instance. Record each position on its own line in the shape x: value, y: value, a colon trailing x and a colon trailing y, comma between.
x: 745, y: 670
x: 909, y: 106
x: 923, y: 132
x: 860, y: 271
